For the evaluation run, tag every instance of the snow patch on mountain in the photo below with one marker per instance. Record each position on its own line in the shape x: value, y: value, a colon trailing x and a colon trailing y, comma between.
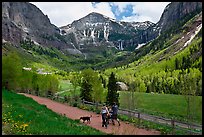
x: 193, y: 35
x: 36, y: 43
x: 140, y: 45
x: 25, y: 29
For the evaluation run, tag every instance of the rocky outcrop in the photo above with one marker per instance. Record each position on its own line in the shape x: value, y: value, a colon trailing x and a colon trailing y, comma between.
x: 24, y: 21
x: 176, y: 11
x: 95, y: 28
x: 173, y: 13
x: 122, y: 86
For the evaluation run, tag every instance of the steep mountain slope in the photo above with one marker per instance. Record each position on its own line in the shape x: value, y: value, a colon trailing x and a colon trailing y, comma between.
x: 177, y: 11
x: 175, y: 15
x: 164, y: 70
x: 95, y: 40
x: 96, y: 29
x: 24, y: 21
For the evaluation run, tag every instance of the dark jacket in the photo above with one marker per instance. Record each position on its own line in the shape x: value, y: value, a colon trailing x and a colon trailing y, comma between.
x: 115, y: 109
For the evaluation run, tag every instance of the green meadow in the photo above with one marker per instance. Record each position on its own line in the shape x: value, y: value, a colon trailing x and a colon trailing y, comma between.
x: 23, y: 116
x: 66, y: 88
x: 167, y: 105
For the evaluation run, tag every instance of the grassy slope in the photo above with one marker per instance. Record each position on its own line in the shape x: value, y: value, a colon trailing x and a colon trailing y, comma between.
x: 66, y: 88
x: 163, y: 104
x: 22, y: 115
x: 147, y: 64
x: 39, y: 57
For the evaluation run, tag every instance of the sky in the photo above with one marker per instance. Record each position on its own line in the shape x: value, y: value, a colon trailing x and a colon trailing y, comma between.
x: 64, y: 13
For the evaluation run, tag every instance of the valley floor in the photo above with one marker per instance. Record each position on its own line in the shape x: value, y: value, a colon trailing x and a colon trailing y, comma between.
x: 76, y: 113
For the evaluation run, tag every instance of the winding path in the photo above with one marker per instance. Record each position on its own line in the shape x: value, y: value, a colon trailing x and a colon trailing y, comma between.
x: 76, y: 113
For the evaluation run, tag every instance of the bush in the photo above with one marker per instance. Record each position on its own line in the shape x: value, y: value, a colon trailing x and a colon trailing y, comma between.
x: 11, y: 71
x: 75, y: 104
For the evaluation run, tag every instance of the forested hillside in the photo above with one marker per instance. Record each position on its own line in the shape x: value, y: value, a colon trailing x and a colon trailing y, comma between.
x: 170, y: 68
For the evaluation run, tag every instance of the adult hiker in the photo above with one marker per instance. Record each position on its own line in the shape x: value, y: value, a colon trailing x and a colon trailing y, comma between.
x: 115, y: 113
x: 104, y: 113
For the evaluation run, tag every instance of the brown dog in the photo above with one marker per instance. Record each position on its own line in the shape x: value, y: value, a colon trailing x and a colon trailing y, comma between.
x: 87, y: 118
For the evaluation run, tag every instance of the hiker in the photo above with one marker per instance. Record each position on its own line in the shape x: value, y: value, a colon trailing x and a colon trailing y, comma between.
x: 115, y: 113
x: 104, y: 113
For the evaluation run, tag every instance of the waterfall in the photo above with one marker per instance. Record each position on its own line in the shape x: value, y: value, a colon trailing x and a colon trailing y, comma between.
x: 121, y: 45
x: 92, y: 34
x: 84, y: 33
x: 106, y: 31
x: 98, y: 34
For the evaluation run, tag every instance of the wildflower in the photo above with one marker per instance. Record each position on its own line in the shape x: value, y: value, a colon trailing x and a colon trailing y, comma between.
x: 25, y: 125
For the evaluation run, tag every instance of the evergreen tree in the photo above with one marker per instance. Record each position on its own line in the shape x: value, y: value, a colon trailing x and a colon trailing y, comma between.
x: 184, y: 63
x: 177, y: 63
x: 86, y: 90
x: 112, y: 95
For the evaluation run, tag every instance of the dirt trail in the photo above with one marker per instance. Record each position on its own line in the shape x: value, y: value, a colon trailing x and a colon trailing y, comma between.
x: 76, y: 113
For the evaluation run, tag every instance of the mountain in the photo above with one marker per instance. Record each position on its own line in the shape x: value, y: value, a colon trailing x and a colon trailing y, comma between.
x: 174, y: 17
x: 94, y: 40
x: 24, y: 21
x: 176, y: 11
x: 96, y: 28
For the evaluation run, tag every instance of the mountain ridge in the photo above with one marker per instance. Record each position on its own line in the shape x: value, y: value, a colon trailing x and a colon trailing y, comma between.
x: 96, y: 27
x: 95, y: 37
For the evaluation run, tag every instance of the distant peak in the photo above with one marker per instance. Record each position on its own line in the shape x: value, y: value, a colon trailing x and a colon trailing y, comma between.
x: 97, y: 15
x: 94, y: 13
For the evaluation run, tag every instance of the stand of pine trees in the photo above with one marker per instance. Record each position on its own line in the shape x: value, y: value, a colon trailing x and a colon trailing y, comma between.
x: 112, y: 95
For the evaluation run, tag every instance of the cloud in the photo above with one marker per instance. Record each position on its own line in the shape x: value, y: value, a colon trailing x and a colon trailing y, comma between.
x: 64, y: 13
x: 153, y: 10
x: 142, y: 11
x: 104, y: 8
x: 136, y: 18
x: 120, y: 5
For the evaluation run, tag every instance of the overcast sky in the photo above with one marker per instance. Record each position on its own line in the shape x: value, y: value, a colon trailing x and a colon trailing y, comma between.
x: 64, y: 13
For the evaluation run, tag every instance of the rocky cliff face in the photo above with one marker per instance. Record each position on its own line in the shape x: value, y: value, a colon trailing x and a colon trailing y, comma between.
x: 176, y: 11
x: 96, y: 28
x: 24, y: 21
